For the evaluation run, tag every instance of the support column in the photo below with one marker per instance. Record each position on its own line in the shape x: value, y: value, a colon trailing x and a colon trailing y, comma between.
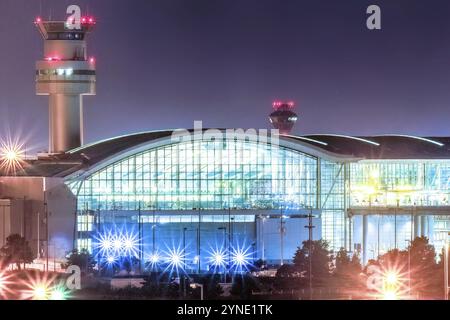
x: 416, y: 226
x: 365, y: 230
x: 424, y: 226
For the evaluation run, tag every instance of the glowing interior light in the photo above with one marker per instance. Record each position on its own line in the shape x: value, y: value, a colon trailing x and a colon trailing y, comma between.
x: 69, y: 72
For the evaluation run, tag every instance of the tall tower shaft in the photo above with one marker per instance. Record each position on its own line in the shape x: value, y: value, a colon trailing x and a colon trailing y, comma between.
x: 65, y: 74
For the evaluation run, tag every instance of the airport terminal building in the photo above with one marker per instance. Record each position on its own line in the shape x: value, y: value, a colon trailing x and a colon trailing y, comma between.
x: 366, y: 194
x: 149, y: 194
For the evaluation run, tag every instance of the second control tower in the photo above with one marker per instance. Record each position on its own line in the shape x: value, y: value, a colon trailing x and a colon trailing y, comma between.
x: 65, y: 74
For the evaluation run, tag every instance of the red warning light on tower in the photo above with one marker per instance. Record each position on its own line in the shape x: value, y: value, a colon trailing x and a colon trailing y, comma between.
x: 283, y: 118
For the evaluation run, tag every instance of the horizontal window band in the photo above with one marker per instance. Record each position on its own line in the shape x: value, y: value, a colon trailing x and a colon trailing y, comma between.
x: 54, y: 72
x: 65, y: 81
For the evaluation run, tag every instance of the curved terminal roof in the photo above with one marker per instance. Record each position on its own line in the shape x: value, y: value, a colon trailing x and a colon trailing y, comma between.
x: 347, y: 148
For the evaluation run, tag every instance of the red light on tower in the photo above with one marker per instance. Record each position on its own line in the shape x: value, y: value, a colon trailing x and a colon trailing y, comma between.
x: 283, y: 118
x: 38, y: 20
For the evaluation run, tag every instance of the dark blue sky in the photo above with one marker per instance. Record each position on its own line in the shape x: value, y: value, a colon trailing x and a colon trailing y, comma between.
x: 165, y: 63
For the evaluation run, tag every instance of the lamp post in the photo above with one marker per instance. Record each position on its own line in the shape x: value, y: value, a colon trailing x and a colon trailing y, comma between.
x: 310, y: 239
x: 446, y: 248
x: 281, y: 236
x: 153, y: 233
x: 199, y: 239
x: 224, y: 245
x: 183, y: 280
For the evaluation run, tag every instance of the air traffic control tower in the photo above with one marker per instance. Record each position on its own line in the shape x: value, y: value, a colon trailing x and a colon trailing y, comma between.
x: 65, y: 74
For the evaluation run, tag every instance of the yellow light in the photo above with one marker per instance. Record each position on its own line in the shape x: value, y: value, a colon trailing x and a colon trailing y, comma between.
x: 375, y: 174
x: 390, y: 295
x: 40, y: 293
x: 11, y: 156
x: 391, y: 278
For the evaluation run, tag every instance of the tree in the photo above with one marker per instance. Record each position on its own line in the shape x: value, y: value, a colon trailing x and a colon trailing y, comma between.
x: 321, y: 260
x: 16, y: 250
x: 82, y: 258
x: 347, y: 268
x: 420, y: 259
x: 342, y: 262
x: 423, y: 264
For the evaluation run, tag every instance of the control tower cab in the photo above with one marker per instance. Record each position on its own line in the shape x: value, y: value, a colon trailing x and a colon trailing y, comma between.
x: 65, y: 74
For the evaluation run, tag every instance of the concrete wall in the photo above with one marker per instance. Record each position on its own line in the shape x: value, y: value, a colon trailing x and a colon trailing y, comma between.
x: 269, y: 237
x: 30, y: 200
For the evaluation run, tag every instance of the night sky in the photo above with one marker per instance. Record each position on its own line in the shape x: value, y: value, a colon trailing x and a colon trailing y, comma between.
x: 165, y: 63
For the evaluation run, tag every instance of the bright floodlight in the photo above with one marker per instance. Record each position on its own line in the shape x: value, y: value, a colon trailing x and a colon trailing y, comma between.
x: 110, y: 260
x: 117, y: 244
x: 37, y: 285
x: 240, y: 258
x: 391, y: 278
x: 217, y: 258
x: 390, y: 295
x: 154, y: 258
x: 40, y: 292
x: 58, y: 293
x: 106, y: 244
x: 175, y: 260
x: 4, y: 285
x: 11, y: 155
x: 130, y: 243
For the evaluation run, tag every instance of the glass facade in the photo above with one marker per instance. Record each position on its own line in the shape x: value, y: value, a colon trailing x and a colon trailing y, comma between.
x: 206, y: 175
x: 184, y: 184
x: 333, y: 202
x: 406, y: 183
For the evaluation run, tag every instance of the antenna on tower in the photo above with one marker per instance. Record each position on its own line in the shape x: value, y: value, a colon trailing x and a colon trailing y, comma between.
x: 283, y: 118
